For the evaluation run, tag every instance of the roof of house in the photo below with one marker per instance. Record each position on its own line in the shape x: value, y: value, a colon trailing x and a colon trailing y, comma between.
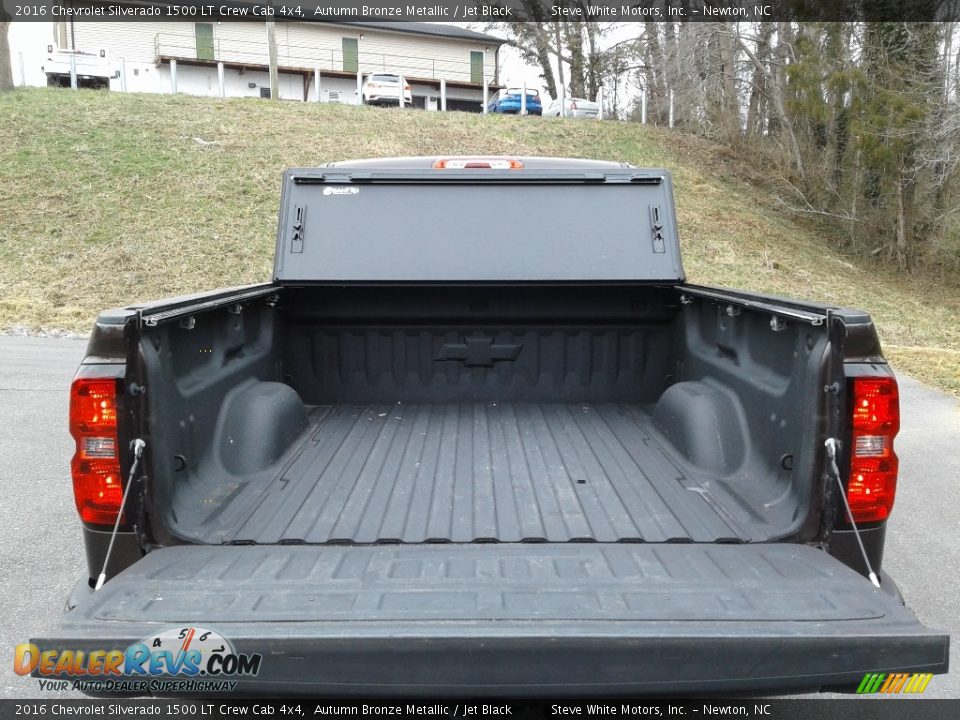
x: 429, y: 28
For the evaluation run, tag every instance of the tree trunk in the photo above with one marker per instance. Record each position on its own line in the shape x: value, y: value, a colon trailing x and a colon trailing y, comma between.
x: 908, y: 198
x: 755, y: 119
x: 730, y: 107
x: 574, y: 38
x: 946, y: 55
x: 779, y: 71
x: 532, y: 39
x: 956, y: 75
x: 900, y: 236
x: 594, y: 63
x: 653, y: 75
x: 556, y: 32
x: 776, y: 98
x: 713, y: 93
x: 535, y: 34
x: 543, y: 55
x: 670, y: 69
x: 855, y: 195
x: 838, y: 36
x: 6, y: 71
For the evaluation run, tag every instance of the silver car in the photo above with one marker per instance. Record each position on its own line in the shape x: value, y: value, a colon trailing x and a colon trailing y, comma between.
x: 573, y: 108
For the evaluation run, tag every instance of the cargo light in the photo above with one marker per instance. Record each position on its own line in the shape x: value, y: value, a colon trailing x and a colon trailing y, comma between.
x: 488, y: 163
x: 872, y: 484
x: 97, y: 486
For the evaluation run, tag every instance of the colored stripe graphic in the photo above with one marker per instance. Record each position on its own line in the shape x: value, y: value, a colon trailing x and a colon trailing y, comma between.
x: 894, y: 683
x: 866, y: 683
x: 874, y: 685
x: 899, y: 682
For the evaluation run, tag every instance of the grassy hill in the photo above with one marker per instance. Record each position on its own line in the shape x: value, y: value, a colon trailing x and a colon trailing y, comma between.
x: 107, y: 199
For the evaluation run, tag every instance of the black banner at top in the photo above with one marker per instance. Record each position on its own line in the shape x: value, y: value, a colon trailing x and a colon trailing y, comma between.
x: 484, y: 10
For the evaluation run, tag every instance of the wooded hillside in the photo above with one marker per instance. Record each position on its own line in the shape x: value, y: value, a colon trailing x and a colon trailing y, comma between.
x: 860, y: 121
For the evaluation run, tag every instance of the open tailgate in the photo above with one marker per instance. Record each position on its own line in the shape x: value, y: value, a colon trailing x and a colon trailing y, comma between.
x: 519, y: 619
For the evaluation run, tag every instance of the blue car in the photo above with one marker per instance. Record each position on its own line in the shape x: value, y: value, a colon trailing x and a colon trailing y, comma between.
x: 507, y: 102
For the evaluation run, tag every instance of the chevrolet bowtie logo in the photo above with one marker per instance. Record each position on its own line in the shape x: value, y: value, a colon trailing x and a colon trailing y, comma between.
x: 479, y: 351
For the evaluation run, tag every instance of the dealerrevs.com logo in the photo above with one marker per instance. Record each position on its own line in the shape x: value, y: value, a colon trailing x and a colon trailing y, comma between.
x: 186, y: 659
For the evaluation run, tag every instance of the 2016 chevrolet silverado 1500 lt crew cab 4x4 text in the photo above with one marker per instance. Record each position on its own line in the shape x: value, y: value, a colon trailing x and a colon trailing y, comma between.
x: 434, y: 457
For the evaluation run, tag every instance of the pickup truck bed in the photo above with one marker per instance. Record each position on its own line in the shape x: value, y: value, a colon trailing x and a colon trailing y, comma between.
x: 439, y: 456
x: 363, y: 415
x: 483, y: 472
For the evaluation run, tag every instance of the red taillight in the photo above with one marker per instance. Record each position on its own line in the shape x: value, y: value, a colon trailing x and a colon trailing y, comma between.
x: 873, y: 463
x: 97, y: 484
x: 488, y: 163
x: 93, y: 405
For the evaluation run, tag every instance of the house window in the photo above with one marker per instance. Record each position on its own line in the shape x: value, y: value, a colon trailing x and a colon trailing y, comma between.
x: 476, y: 67
x: 204, y: 35
x: 351, y: 55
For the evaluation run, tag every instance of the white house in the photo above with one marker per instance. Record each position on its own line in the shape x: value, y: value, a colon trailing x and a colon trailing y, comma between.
x: 316, y: 60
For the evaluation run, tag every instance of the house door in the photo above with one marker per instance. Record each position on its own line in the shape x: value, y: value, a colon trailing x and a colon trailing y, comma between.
x: 204, y: 35
x: 476, y: 67
x: 351, y: 55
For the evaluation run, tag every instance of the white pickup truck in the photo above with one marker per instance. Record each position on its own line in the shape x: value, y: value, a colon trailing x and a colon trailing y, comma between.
x: 92, y: 69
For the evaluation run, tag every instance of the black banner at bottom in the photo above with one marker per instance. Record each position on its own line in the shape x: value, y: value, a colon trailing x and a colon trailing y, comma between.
x: 861, y: 708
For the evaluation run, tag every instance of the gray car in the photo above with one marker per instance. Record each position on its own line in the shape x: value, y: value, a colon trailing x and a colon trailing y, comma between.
x: 574, y: 108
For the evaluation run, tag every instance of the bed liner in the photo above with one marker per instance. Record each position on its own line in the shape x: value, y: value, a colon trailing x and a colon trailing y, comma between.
x: 483, y: 472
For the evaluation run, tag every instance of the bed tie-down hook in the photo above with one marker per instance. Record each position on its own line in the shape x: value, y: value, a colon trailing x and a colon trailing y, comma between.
x: 833, y: 447
x: 137, y: 445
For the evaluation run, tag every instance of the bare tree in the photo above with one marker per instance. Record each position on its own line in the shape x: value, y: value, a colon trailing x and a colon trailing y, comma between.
x: 757, y: 108
x: 570, y: 54
x: 533, y: 42
x: 859, y: 120
x: 774, y: 82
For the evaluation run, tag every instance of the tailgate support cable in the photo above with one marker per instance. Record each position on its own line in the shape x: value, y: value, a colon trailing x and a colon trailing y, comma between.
x: 138, y: 446
x: 833, y: 446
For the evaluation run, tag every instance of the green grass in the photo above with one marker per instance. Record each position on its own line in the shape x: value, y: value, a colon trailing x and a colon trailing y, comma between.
x: 108, y: 199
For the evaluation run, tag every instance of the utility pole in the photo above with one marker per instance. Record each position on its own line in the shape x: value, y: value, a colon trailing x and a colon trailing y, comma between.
x: 272, y: 50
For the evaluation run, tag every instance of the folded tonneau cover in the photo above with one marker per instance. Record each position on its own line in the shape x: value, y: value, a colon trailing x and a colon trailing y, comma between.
x: 518, y: 619
x: 377, y: 222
